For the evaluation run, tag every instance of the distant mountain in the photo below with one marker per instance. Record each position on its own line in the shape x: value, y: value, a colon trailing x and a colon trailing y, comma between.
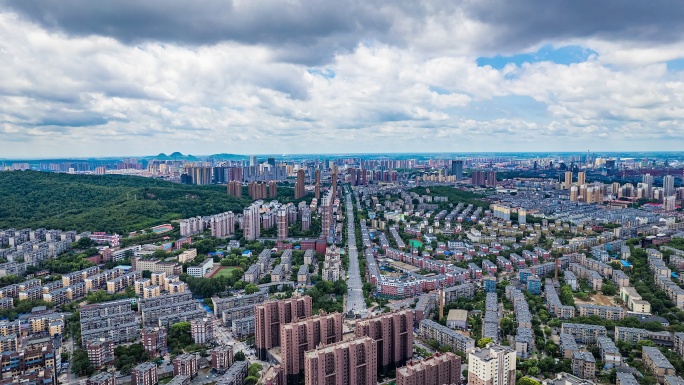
x: 225, y: 156
x: 174, y: 156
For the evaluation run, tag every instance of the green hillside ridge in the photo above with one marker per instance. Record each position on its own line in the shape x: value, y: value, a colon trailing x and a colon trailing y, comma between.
x: 112, y: 203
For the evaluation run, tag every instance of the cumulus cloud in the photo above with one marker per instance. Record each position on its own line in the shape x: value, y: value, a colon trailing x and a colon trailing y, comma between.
x: 129, y: 77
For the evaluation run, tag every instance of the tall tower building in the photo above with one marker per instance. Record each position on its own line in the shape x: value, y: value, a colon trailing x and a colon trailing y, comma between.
x: 281, y: 222
x: 491, y: 178
x: 300, y: 184
x: 317, y: 192
x: 493, y: 365
x: 342, y: 363
x: 478, y: 178
x: 522, y: 216
x: 250, y: 222
x: 393, y: 334
x: 269, y: 316
x: 668, y: 186
x: 272, y: 189
x: 326, y: 205
x: 304, y: 335
x: 253, y: 160
x: 457, y: 169
x: 581, y: 178
x: 647, y: 180
x: 568, y: 179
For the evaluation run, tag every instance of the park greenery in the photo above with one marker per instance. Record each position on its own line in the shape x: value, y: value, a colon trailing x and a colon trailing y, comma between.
x: 126, y: 357
x: 111, y: 203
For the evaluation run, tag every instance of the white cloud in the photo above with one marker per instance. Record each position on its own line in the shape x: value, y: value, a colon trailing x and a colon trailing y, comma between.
x: 62, y: 95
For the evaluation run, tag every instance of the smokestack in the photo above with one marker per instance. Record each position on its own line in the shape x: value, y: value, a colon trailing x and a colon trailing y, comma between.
x: 441, y: 303
x: 558, y: 262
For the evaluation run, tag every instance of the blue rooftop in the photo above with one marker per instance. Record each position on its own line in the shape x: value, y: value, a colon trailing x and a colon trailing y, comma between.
x: 675, y: 275
x: 625, y: 263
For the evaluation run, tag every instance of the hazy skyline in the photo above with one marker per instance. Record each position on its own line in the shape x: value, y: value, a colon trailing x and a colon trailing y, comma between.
x: 83, y: 78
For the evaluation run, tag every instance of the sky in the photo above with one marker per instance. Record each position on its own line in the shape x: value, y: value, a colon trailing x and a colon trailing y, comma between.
x: 130, y: 77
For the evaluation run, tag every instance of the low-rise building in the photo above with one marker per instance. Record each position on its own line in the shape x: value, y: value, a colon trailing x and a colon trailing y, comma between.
x: 431, y: 330
x: 457, y: 319
x: 583, y: 333
x: 436, y: 370
x: 144, y: 374
x: 583, y: 365
x: 656, y: 361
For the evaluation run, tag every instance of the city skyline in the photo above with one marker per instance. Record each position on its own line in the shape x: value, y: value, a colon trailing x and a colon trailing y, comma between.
x: 298, y: 78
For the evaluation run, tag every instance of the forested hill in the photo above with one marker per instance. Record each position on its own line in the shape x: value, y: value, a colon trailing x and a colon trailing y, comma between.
x: 112, y: 203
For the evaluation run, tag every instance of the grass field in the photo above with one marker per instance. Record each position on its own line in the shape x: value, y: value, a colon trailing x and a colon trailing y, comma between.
x: 224, y: 271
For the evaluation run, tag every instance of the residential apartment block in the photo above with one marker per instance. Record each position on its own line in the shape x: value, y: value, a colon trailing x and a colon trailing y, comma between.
x: 342, y: 363
x: 393, y: 333
x: 269, y: 316
x: 431, y: 330
x: 436, y: 370
x: 493, y: 365
x: 656, y: 361
x: 583, y: 333
x: 304, y: 335
x: 112, y: 320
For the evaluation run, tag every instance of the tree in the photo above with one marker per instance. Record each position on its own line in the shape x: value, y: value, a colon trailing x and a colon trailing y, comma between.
x: 609, y: 289
x: 251, y: 288
x: 482, y: 342
x: 240, y: 356
x: 527, y: 381
x: 80, y: 364
x: 251, y: 380
x: 254, y: 370
x: 84, y: 243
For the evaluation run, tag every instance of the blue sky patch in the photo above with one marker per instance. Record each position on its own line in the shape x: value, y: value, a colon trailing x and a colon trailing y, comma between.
x: 564, y: 55
x: 325, y: 72
x: 675, y: 65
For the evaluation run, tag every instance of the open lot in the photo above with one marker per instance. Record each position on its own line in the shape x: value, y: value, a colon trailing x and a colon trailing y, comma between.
x: 598, y: 299
x: 224, y: 271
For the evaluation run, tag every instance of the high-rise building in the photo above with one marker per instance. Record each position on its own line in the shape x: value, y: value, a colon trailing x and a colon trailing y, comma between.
x: 491, y: 178
x: 317, y: 191
x: 393, y: 333
x: 478, y: 178
x: 647, y: 180
x: 300, y: 184
x: 522, y: 216
x: 251, y: 224
x: 568, y: 180
x: 581, y: 178
x: 342, y: 363
x: 235, y: 188
x: 494, y: 365
x: 668, y: 186
x: 436, y: 370
x: 272, y: 189
x: 269, y: 316
x: 222, y: 225
x: 457, y: 169
x: 281, y: 221
x: 199, y: 175
x: 253, y: 160
x: 326, y: 207
x: 304, y: 335
x: 202, y: 330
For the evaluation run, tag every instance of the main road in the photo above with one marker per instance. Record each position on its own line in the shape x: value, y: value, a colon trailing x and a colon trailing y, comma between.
x: 355, y: 300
